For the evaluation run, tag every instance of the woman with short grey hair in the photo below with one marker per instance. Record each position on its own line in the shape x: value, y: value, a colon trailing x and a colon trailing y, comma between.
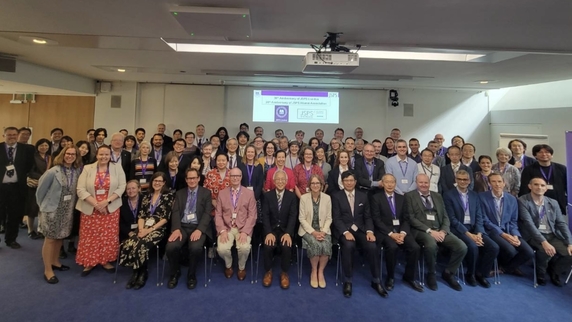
x: 509, y: 172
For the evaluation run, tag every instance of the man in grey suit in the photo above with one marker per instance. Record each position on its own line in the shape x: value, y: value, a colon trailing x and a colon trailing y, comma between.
x: 543, y: 226
x: 430, y: 227
x: 190, y: 223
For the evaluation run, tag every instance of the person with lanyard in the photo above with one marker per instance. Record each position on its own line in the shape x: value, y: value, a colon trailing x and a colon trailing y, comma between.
x: 153, y: 215
x: 190, y: 226
x: 142, y: 169
x: 349, y: 147
x: 118, y: 155
x: 481, y: 178
x: 99, y: 189
x: 130, y: 206
x: 519, y: 159
x: 501, y: 224
x: 280, y: 160
x: 447, y: 179
x: 369, y: 171
x: 293, y: 158
x: 404, y: 169
x: 325, y: 166
x: 253, y: 179
x: 341, y: 165
x: 427, y: 167
x: 392, y: 231
x: 555, y: 175
x: 466, y: 215
x: 305, y: 169
x: 159, y: 150
x: 234, y: 159
x: 218, y: 179
x: 56, y: 195
x: 207, y: 158
x: 509, y: 172
x: 175, y: 176
x: 184, y: 160
x: 267, y: 161
x: 235, y: 217
x: 544, y: 227
x: 441, y: 150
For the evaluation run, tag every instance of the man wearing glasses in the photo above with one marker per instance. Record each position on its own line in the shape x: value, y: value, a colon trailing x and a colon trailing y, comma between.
x: 190, y: 224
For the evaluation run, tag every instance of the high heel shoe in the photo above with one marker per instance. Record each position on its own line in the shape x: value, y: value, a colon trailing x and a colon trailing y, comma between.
x: 51, y: 280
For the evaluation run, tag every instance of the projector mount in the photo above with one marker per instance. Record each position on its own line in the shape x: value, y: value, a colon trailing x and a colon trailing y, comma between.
x: 331, y: 42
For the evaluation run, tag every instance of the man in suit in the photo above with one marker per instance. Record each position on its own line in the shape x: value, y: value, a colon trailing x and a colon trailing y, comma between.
x: 468, y: 157
x: 159, y: 150
x: 279, y: 214
x: 466, y: 216
x: 139, y: 136
x: 447, y: 179
x: 56, y: 136
x: 190, y: 224
x: 519, y: 159
x: 234, y: 159
x: 90, y: 136
x: 369, y: 171
x: 200, y: 139
x: 438, y: 160
x: 404, y: 169
x: 15, y: 163
x: 235, y: 217
x: 167, y: 140
x: 353, y: 225
x: 501, y: 224
x: 118, y: 155
x: 430, y: 227
x: 544, y: 227
x: 392, y: 231
x: 349, y: 146
x: 184, y: 159
x: 242, y: 139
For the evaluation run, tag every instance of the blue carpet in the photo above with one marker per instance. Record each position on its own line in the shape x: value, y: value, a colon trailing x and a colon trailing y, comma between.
x: 25, y: 296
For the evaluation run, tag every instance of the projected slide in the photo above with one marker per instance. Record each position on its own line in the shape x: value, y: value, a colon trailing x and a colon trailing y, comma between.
x: 295, y: 107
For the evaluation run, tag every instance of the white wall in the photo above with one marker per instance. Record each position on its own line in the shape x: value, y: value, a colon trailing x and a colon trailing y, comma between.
x: 545, y: 95
x: 114, y: 119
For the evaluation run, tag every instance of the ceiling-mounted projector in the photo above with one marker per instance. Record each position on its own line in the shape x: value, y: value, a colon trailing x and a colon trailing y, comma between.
x: 330, y: 62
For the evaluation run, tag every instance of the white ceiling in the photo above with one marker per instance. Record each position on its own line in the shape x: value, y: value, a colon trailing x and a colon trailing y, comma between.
x: 96, y: 36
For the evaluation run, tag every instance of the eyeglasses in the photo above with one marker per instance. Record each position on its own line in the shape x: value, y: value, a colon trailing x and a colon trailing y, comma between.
x: 192, y: 178
x: 235, y: 176
x: 315, y: 183
x: 462, y: 179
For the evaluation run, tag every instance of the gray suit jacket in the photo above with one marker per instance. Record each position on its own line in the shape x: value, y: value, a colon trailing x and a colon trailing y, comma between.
x: 529, y: 220
x: 418, y: 218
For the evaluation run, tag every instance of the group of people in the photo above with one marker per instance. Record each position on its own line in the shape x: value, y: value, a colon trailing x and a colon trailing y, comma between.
x: 125, y: 197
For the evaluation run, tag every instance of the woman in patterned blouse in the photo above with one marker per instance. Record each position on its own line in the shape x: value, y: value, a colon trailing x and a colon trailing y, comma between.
x: 509, y: 172
x: 305, y: 169
x: 218, y: 179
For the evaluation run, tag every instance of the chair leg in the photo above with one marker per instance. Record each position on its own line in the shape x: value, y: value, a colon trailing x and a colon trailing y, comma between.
x: 163, y: 269
x: 496, y: 272
x: 461, y: 274
x: 211, y: 264
x: 534, y: 268
x: 381, y: 264
x: 298, y: 260
x: 258, y: 263
x: 251, y: 266
x: 568, y: 278
x: 117, y: 267
x: 158, y: 281
x: 338, y: 264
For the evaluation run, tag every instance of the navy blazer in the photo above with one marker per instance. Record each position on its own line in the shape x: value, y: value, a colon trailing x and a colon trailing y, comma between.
x: 362, y: 173
x: 529, y: 220
x: 257, y: 182
x: 285, y: 218
x: 333, y: 186
x: 456, y: 212
x: 509, y: 221
x: 126, y: 217
x: 382, y: 215
x: 447, y: 178
x: 342, y: 214
x: 23, y: 162
x: 526, y: 161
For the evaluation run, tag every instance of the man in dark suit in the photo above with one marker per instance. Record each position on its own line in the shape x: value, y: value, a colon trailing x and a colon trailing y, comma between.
x: 118, y: 155
x: 447, y: 179
x: 430, y: 227
x: 279, y: 214
x: 519, y: 159
x: 369, y: 171
x: 167, y: 140
x: 234, y: 159
x: 392, y: 231
x: 545, y: 229
x: 353, y: 225
x: 15, y: 163
x: 159, y: 150
x: 501, y: 223
x: 184, y: 159
x: 438, y: 160
x: 466, y: 215
x: 190, y: 223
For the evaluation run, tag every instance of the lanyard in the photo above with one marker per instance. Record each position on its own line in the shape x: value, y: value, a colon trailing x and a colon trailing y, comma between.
x: 292, y: 163
x: 102, y: 181
x: 133, y: 209
x: 547, y: 178
x: 68, y: 177
x: 232, y: 198
x: 368, y: 167
x: 249, y: 170
x: 153, y: 206
x: 401, y: 167
x: 425, y: 169
x: 465, y: 201
x: 542, y: 211
x: 173, y: 181
x: 308, y: 173
x: 144, y: 166
x: 113, y: 158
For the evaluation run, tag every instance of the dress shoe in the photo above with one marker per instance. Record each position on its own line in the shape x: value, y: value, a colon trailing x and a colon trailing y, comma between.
x: 86, y: 271
x: 347, y: 289
x: 432, y: 281
x: 541, y: 280
x: 314, y: 280
x: 228, y: 272
x: 241, y: 275
x: 415, y: 285
x: 284, y: 281
x: 132, y: 279
x: 173, y: 280
x: 516, y: 272
x: 451, y: 280
x: 379, y: 289
x: 34, y: 235
x: 63, y: 254
x: 389, y: 283
x: 555, y: 279
x: 141, y: 280
x: 51, y: 280
x: 322, y: 282
x: 191, y: 282
x: 14, y: 245
x: 61, y: 268
x: 267, y: 280
x: 482, y: 281
x: 470, y: 280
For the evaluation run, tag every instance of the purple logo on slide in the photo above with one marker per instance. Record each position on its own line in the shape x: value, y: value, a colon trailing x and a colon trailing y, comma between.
x: 281, y: 113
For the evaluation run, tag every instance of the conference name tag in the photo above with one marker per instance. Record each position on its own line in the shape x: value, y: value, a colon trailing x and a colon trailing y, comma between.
x: 354, y: 227
x: 150, y: 222
x: 549, y: 187
x: 133, y: 226
x: 395, y: 222
x: 250, y: 188
x: 467, y: 220
x: 404, y: 181
x: 234, y: 215
x: 143, y: 180
x: 542, y: 226
x: 10, y: 167
x: 100, y: 192
x: 307, y: 189
x: 67, y: 197
x: 191, y: 216
x: 430, y: 217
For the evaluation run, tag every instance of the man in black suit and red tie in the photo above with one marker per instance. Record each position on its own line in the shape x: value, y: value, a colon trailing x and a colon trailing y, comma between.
x: 353, y: 225
x: 392, y: 231
x: 15, y: 163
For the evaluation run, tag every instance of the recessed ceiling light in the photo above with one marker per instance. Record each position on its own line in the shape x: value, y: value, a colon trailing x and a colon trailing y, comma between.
x: 39, y: 41
x: 121, y: 70
x: 484, y: 81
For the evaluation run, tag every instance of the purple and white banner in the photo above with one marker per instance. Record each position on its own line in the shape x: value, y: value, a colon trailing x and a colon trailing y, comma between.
x: 569, y: 174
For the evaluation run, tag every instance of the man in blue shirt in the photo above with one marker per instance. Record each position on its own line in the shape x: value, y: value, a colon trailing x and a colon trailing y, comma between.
x: 404, y: 169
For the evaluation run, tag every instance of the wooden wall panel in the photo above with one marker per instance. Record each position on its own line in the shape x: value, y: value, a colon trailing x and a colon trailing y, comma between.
x: 12, y: 114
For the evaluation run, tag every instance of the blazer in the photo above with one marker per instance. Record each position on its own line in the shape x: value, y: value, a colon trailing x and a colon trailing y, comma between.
x: 456, y: 212
x: 39, y: 166
x: 23, y: 162
x: 246, y: 211
x: 362, y: 173
x: 526, y: 161
x: 342, y: 215
x: 285, y: 218
x: 179, y: 178
x: 125, y: 161
x: 203, y: 210
x: 164, y: 150
x: 557, y: 180
x: 50, y: 188
x: 383, y: 216
x: 509, y: 220
x: 418, y: 218
x: 257, y: 179
x: 237, y: 160
x: 306, y: 214
x: 333, y: 176
x: 127, y: 218
x: 529, y: 220
x: 86, y: 187
x: 439, y: 161
x: 474, y: 165
x: 167, y: 142
x: 447, y: 178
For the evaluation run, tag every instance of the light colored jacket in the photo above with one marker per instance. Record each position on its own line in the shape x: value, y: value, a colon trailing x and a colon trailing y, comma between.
x: 86, y: 187
x: 49, y: 191
x: 307, y: 213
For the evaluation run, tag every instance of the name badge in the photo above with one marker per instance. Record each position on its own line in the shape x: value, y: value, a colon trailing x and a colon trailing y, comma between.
x: 67, y: 197
x: 143, y: 180
x: 133, y: 226
x: 467, y: 220
x: 542, y: 227
x: 250, y: 188
x: 549, y: 187
x: 431, y: 217
x: 307, y: 189
x: 354, y: 227
x: 405, y: 181
x: 10, y: 167
x: 395, y: 222
x: 150, y: 222
x: 191, y: 216
x: 234, y: 215
x: 100, y: 192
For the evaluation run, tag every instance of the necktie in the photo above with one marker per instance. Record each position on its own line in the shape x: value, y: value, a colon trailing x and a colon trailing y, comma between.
x: 10, y: 173
x: 351, y: 201
x: 230, y: 165
x: 279, y: 202
x: 427, y: 202
x: 200, y: 143
x: 455, y: 168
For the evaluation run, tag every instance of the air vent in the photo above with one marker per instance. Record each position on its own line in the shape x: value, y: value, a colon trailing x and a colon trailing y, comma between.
x: 115, y: 101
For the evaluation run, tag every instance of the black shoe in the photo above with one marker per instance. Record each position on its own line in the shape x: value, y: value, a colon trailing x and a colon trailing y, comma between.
x: 451, y: 280
x: 34, y: 235
x: 51, y: 280
x: 483, y: 281
x: 63, y: 254
x: 14, y: 245
x: 60, y: 268
x: 191, y: 282
x: 470, y: 280
x: 85, y: 272
x: 132, y: 280
x: 347, y: 289
x: 432, y: 281
x: 379, y: 289
x: 141, y: 280
x: 23, y: 225
x: 414, y: 285
x: 173, y: 281
x: 541, y: 280
x: 389, y: 284
x: 555, y: 279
